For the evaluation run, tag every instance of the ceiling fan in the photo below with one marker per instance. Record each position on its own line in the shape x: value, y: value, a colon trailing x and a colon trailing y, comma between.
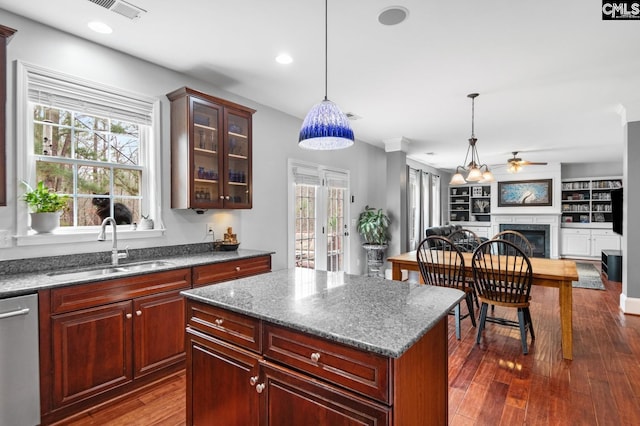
x: 515, y: 164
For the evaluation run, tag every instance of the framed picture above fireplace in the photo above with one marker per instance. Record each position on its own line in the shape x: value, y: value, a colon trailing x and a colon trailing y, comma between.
x: 525, y: 193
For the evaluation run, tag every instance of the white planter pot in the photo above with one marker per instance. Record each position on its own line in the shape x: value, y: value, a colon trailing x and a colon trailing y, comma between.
x: 43, y: 223
x: 146, y: 224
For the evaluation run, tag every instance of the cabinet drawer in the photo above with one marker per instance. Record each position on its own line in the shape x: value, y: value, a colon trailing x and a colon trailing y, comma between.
x: 360, y: 371
x: 239, y: 329
x: 225, y: 271
x: 81, y: 296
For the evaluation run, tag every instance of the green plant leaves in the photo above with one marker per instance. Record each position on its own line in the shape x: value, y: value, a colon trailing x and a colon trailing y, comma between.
x: 373, y: 225
x: 41, y: 200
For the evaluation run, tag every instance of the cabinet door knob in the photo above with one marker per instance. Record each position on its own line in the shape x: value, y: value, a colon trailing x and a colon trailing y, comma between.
x: 260, y: 388
x: 129, y: 316
x: 227, y: 197
x: 219, y: 321
x: 237, y: 269
x: 253, y: 380
x: 222, y: 197
x: 138, y: 313
x: 315, y: 357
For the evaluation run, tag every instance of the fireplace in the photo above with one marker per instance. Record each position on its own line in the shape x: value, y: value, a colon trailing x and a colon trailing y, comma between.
x: 538, y: 235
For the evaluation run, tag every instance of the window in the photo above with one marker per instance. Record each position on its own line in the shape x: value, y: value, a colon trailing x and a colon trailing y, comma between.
x: 423, y: 209
x: 94, y: 159
x: 89, y: 141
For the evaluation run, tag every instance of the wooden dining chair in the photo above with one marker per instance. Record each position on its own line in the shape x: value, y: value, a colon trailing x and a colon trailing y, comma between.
x: 465, y: 239
x: 441, y: 264
x: 516, y: 238
x: 503, y: 277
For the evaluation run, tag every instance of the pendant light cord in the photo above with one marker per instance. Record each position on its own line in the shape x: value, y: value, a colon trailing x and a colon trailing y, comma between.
x: 326, y: 49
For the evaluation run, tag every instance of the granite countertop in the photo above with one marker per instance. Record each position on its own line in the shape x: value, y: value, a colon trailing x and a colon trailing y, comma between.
x: 18, y: 282
x: 377, y: 315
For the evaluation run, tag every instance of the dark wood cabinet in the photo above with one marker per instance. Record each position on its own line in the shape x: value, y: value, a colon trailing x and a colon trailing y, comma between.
x: 211, y: 152
x: 101, y: 340
x: 231, y: 270
x: 158, y: 344
x: 5, y: 35
x: 91, y: 351
x: 224, y: 379
x: 274, y: 375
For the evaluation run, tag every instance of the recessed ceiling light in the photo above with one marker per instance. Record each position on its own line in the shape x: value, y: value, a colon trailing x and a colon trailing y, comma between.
x: 284, y: 59
x: 100, y: 27
x: 393, y: 15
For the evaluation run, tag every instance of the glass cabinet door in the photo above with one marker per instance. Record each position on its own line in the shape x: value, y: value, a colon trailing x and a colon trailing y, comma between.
x: 206, y: 155
x: 237, y: 160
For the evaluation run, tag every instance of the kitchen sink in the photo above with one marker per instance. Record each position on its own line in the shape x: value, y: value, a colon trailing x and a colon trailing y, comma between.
x: 80, y: 273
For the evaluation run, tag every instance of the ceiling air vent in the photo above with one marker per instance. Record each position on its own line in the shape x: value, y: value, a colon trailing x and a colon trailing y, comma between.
x: 352, y: 116
x: 121, y: 8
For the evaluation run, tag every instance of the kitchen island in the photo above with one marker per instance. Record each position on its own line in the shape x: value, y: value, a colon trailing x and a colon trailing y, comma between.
x: 301, y: 346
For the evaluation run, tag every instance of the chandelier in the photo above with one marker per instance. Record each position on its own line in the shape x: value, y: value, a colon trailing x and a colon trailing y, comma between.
x: 476, y: 171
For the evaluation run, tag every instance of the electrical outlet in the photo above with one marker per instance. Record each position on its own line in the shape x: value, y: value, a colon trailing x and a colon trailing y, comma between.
x: 209, y: 228
x: 5, y: 238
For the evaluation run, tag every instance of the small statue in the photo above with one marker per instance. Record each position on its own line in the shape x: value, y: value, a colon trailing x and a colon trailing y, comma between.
x: 230, y: 237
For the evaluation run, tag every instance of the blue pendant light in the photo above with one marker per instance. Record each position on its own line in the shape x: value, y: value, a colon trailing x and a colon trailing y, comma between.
x: 325, y: 127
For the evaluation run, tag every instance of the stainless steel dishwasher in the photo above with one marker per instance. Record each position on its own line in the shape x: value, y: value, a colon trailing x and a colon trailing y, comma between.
x: 19, y: 364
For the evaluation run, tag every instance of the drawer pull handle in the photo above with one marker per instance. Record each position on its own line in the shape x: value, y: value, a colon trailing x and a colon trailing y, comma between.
x: 260, y: 388
x: 253, y: 380
x: 219, y: 321
x: 237, y: 269
x: 138, y: 313
x: 315, y: 357
x: 129, y: 316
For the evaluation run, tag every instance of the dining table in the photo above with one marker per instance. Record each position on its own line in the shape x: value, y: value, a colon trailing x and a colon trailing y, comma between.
x: 557, y: 273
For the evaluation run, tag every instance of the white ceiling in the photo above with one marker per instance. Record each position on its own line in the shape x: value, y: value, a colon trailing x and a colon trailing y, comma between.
x: 551, y: 74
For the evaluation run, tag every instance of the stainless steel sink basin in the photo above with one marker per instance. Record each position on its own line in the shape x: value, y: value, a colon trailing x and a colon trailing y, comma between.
x: 145, y: 266
x: 77, y: 274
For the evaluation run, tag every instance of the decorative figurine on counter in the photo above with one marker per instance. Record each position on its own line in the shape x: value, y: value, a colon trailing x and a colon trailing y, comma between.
x: 230, y: 237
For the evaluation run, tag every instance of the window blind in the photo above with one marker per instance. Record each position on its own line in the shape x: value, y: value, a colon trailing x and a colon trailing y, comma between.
x: 62, y: 91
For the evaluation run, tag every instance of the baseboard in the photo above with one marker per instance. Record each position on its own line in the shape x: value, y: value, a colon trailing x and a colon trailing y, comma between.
x: 629, y: 305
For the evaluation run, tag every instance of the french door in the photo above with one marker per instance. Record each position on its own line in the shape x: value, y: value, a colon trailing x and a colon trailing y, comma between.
x: 319, y: 210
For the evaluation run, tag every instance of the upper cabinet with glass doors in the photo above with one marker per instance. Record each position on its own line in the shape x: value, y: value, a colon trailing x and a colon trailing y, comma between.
x: 210, y: 152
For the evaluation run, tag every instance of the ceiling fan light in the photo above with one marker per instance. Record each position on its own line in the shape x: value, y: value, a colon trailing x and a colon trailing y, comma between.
x: 457, y: 179
x: 325, y: 128
x: 513, y: 168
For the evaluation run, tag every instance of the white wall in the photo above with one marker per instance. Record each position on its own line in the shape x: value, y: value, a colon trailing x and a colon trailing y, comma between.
x: 275, y: 139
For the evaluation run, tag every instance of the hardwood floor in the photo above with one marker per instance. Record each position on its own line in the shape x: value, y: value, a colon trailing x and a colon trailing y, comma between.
x: 494, y: 383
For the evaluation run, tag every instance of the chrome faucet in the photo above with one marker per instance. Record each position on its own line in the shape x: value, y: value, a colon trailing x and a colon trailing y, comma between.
x: 115, y: 256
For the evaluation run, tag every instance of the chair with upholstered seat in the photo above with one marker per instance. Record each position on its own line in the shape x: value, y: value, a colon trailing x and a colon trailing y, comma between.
x: 441, y: 264
x: 503, y: 277
x: 516, y: 238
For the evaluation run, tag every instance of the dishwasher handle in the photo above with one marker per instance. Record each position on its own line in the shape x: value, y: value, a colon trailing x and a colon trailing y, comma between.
x: 23, y: 311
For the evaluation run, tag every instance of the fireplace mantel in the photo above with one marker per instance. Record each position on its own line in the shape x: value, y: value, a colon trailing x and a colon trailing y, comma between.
x: 551, y: 219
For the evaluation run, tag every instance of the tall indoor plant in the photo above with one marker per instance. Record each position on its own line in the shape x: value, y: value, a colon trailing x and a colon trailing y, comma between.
x: 373, y: 226
x: 46, y: 207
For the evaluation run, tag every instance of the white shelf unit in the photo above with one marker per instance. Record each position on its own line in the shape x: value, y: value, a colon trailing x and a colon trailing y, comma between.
x: 470, y: 203
x: 587, y: 202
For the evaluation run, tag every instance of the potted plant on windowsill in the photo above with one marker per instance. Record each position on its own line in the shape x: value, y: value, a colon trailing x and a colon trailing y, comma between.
x: 46, y: 207
x: 373, y: 226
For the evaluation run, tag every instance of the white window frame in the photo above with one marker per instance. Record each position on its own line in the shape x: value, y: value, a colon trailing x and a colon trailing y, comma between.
x: 26, y: 76
x: 322, y: 172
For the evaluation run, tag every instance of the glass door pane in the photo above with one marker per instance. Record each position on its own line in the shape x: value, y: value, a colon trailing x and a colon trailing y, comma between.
x: 238, y: 167
x: 336, y: 228
x: 206, y: 161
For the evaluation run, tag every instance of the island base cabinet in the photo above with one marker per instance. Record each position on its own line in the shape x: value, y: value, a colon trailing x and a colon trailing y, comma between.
x: 295, y: 399
x: 221, y: 383
x: 288, y: 377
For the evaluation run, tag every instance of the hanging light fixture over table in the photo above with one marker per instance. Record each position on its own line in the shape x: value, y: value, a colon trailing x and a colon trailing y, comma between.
x: 476, y: 172
x: 325, y: 127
